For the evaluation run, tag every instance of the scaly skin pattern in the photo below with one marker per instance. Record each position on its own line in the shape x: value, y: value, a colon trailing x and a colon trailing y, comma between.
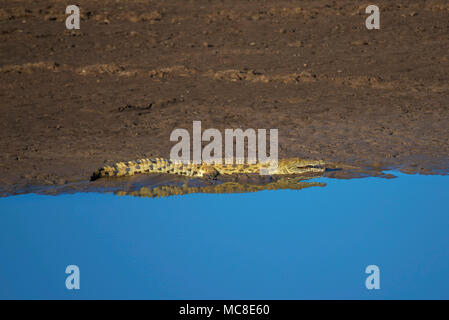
x: 227, y: 187
x: 294, y: 166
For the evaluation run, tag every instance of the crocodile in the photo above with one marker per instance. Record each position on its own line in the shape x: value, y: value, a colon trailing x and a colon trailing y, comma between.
x: 289, y: 166
x: 226, y: 187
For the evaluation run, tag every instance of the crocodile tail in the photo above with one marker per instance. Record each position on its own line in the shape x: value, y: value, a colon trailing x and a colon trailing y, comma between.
x: 125, y: 168
x: 96, y: 175
x: 107, y: 171
x: 129, y: 168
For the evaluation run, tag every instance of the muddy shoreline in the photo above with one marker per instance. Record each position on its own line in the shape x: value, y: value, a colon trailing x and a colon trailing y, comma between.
x: 73, y: 101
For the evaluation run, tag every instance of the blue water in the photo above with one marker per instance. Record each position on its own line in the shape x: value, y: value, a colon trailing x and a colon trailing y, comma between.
x: 307, y: 244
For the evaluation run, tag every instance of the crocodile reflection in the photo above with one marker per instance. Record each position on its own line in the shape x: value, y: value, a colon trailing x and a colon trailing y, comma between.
x: 296, y: 183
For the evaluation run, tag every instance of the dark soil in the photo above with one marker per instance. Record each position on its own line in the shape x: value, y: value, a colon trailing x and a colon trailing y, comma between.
x: 73, y: 101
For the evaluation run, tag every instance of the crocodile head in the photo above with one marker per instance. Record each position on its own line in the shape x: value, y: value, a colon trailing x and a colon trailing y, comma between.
x: 300, y: 166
